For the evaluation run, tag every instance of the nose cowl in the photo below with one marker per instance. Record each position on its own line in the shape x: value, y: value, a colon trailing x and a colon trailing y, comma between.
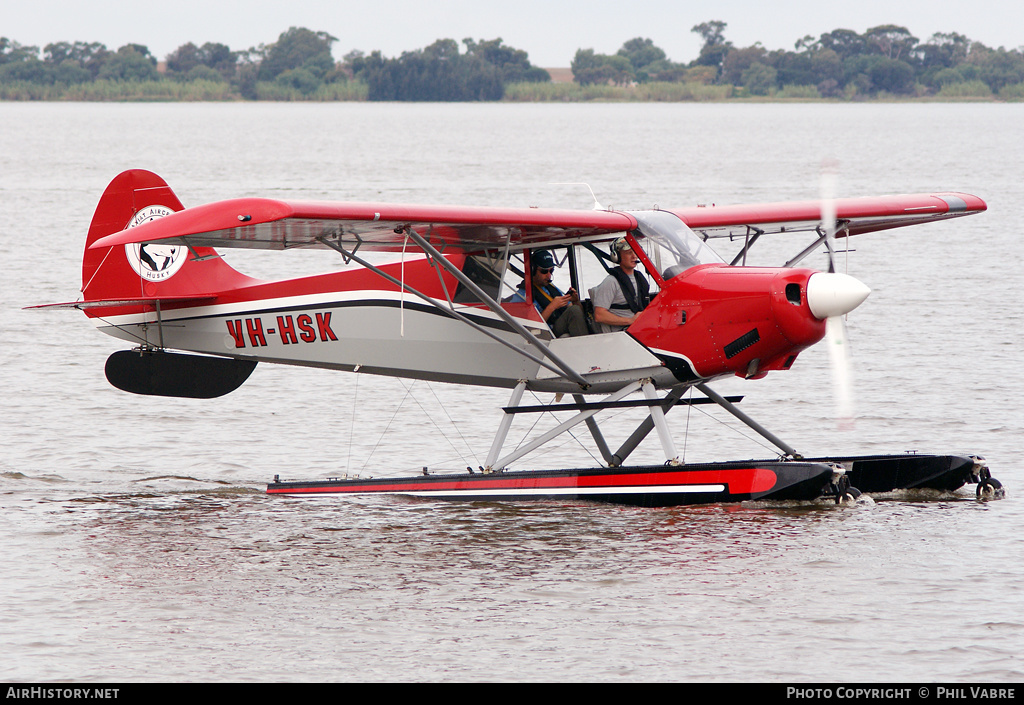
x: 832, y: 294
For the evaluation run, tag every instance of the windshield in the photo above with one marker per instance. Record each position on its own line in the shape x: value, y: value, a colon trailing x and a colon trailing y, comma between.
x: 671, y: 245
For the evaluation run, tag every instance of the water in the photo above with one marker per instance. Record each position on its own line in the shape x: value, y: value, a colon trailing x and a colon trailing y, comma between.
x: 137, y: 542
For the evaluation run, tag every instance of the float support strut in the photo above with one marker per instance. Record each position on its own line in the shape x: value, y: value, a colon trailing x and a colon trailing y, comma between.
x: 553, y: 433
x: 731, y: 408
x: 657, y: 415
x: 641, y: 432
x: 504, y: 426
x: 595, y: 432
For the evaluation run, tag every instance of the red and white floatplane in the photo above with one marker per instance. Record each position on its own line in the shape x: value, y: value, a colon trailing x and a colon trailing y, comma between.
x: 151, y: 277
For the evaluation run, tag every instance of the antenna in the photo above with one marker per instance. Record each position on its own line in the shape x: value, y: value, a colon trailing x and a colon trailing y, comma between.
x: 597, y: 205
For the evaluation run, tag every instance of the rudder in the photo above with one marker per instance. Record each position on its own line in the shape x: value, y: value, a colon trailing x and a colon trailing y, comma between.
x: 133, y: 271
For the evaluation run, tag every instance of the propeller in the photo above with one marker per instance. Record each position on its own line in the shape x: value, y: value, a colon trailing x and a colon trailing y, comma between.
x: 843, y: 293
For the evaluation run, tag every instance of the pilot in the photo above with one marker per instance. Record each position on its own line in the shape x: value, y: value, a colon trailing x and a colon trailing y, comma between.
x: 623, y: 294
x: 562, y: 312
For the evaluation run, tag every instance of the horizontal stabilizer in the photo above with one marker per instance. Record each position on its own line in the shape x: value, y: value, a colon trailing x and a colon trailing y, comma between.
x: 165, y: 374
x: 138, y: 301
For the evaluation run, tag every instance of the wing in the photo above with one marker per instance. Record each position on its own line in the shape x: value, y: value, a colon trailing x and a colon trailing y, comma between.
x: 277, y: 225
x: 854, y: 215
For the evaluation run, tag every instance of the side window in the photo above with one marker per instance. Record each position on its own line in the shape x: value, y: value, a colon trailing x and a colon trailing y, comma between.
x: 486, y: 271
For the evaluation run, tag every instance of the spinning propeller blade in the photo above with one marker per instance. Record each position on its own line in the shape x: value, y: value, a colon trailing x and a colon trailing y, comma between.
x: 844, y: 295
x: 828, y: 210
x: 839, y: 355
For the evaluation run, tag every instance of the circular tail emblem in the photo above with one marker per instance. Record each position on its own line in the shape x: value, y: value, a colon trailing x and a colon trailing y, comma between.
x: 154, y: 262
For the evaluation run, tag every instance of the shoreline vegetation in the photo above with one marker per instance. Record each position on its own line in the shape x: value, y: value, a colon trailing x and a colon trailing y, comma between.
x: 886, y: 63
x: 653, y: 92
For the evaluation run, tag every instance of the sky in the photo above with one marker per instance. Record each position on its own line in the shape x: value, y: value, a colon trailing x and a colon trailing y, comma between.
x: 551, y: 31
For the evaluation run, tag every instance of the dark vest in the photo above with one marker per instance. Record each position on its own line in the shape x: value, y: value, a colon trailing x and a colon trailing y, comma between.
x: 544, y: 296
x: 636, y: 303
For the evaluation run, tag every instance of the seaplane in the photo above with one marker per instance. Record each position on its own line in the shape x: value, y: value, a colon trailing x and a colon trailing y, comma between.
x: 445, y: 309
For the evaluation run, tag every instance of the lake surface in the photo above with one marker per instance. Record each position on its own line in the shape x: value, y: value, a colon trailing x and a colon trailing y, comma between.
x: 137, y: 542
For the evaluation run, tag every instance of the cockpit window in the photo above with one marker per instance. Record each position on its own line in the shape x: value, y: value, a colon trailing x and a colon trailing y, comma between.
x: 671, y: 245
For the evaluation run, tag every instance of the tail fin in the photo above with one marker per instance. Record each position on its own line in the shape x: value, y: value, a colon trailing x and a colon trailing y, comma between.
x: 147, y: 271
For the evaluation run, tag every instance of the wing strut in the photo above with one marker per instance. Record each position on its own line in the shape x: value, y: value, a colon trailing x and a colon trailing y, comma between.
x: 448, y: 311
x: 565, y: 369
x: 822, y: 237
x: 806, y: 251
x: 748, y: 242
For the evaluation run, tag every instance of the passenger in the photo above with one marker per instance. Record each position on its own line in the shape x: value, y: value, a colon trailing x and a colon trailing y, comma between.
x: 623, y: 294
x: 562, y: 312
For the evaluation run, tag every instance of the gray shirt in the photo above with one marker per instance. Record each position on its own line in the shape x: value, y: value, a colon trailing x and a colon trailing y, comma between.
x: 608, y: 294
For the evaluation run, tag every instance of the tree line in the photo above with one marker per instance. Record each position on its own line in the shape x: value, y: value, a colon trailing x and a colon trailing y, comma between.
x: 884, y: 60
x: 838, y: 64
x: 298, y: 65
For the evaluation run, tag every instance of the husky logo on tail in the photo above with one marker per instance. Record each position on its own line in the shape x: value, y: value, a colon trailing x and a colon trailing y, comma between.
x: 134, y: 198
x: 154, y: 262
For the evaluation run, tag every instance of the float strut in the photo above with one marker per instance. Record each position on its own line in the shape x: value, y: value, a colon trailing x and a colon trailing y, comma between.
x: 595, y: 432
x: 658, y: 416
x: 504, y: 426
x: 556, y: 431
x: 641, y: 432
x: 731, y: 408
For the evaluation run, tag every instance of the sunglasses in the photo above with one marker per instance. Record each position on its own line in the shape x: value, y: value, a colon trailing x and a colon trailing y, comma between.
x: 545, y: 270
